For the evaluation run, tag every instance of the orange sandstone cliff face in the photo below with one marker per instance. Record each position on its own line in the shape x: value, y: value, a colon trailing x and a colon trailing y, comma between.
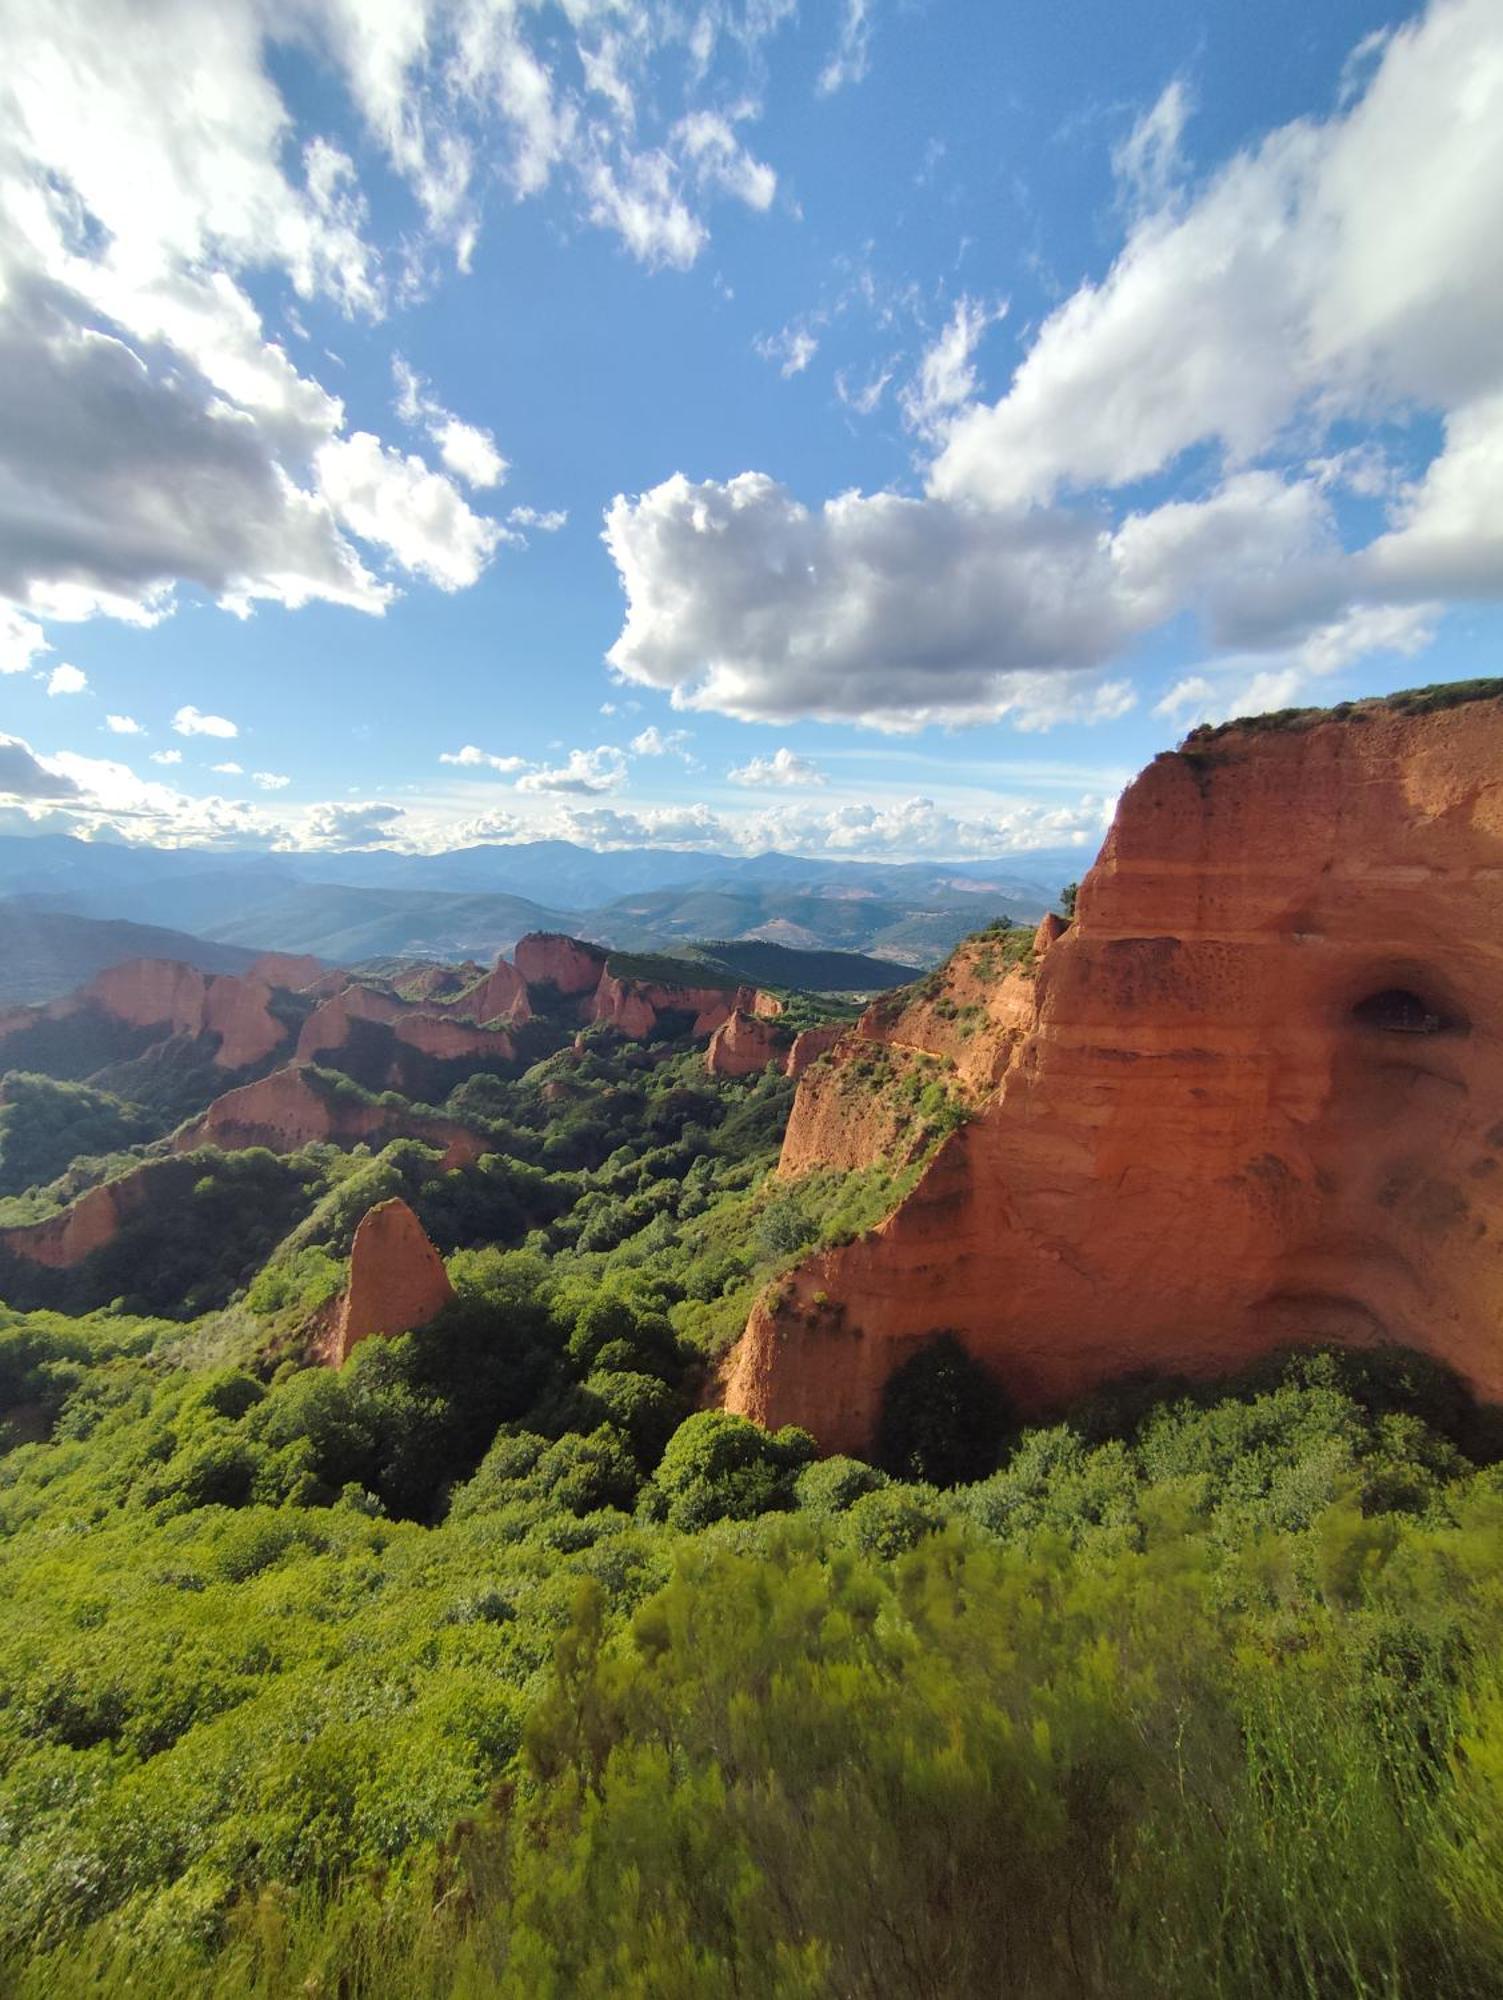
x: 177, y: 999
x: 960, y: 1028
x: 550, y: 958
x: 286, y: 1110
x: 744, y: 1045
x: 1258, y: 1098
x: 501, y: 994
x: 397, y: 1279
x: 60, y: 1241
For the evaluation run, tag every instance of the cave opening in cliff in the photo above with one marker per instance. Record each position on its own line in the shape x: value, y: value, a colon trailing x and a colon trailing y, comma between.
x: 1397, y: 1010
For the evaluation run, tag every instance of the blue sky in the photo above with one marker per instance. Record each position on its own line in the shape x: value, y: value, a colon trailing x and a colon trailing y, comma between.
x: 859, y: 428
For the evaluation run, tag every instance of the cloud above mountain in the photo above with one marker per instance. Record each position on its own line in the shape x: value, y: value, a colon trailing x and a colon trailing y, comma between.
x: 1340, y: 274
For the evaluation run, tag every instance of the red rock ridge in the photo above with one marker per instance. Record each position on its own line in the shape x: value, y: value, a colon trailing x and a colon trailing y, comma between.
x: 550, y: 958
x: 397, y: 1280
x: 809, y: 1044
x: 633, y: 1006
x: 1259, y: 1099
x: 501, y: 995
x: 178, y: 999
x: 286, y: 1110
x: 744, y: 1045
x: 962, y: 1026
x: 60, y: 1241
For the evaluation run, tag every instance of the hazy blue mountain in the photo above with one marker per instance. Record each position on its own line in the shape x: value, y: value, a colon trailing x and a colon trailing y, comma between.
x: 47, y: 952
x: 476, y: 901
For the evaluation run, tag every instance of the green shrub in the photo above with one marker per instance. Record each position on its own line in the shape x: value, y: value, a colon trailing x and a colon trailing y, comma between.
x: 723, y: 1467
x: 943, y: 1418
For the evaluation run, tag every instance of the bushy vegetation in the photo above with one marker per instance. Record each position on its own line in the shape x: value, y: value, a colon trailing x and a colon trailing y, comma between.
x: 656, y: 1703
x: 496, y: 1662
x: 1405, y: 701
x: 45, y: 1125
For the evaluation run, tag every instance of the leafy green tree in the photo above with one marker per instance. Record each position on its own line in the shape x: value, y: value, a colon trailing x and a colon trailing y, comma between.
x: 718, y: 1466
x: 943, y: 1417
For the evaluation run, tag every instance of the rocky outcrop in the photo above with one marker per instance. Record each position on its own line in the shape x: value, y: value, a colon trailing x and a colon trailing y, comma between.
x: 60, y: 1241
x: 1051, y: 928
x: 500, y: 996
x: 291, y: 970
x: 446, y: 1038
x: 451, y: 1041
x: 959, y: 1027
x: 171, y: 998
x: 745, y: 1045
x: 239, y: 1012
x: 547, y: 958
x: 1258, y: 1097
x: 289, y: 1109
x: 149, y: 993
x: 327, y: 1028
x: 635, y: 1006
x: 397, y: 1280
x: 812, y: 1043
x: 624, y: 1005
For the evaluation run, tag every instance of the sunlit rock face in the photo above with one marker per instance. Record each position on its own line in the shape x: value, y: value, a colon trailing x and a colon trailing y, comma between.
x: 1259, y: 1098
x: 289, y: 1109
x: 549, y: 958
x: 397, y: 1279
x: 745, y: 1045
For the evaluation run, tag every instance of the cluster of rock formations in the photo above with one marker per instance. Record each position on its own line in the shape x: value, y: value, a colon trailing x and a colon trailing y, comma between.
x: 1252, y: 1096
x: 290, y: 1108
x: 175, y: 999
x: 285, y: 1018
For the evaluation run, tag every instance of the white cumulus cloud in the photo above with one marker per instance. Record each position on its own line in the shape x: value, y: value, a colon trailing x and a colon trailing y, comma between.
x: 785, y: 768
x: 602, y: 769
x: 190, y: 721
x: 472, y: 757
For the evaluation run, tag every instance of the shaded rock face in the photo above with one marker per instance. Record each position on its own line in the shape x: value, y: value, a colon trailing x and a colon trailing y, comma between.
x: 810, y: 1044
x: 239, y: 1012
x: 151, y: 993
x: 549, y: 958
x: 327, y: 1028
x: 1259, y: 1097
x: 634, y: 1007
x: 397, y: 1279
x: 294, y: 970
x: 1052, y: 927
x: 502, y: 994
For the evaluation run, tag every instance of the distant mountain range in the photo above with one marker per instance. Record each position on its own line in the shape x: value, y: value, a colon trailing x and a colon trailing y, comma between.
x: 475, y: 902
x: 47, y: 952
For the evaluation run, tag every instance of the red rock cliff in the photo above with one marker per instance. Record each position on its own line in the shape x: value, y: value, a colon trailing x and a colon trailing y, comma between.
x: 744, y: 1045
x: 287, y: 1109
x: 60, y: 1241
x: 397, y: 1279
x: 178, y: 999
x: 959, y: 1027
x: 549, y: 958
x: 1259, y: 1097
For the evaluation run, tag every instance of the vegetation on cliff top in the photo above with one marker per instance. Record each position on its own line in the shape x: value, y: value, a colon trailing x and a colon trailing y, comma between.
x: 1408, y: 701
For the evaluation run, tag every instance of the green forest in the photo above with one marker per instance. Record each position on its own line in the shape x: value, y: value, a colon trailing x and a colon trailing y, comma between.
x: 495, y: 1662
